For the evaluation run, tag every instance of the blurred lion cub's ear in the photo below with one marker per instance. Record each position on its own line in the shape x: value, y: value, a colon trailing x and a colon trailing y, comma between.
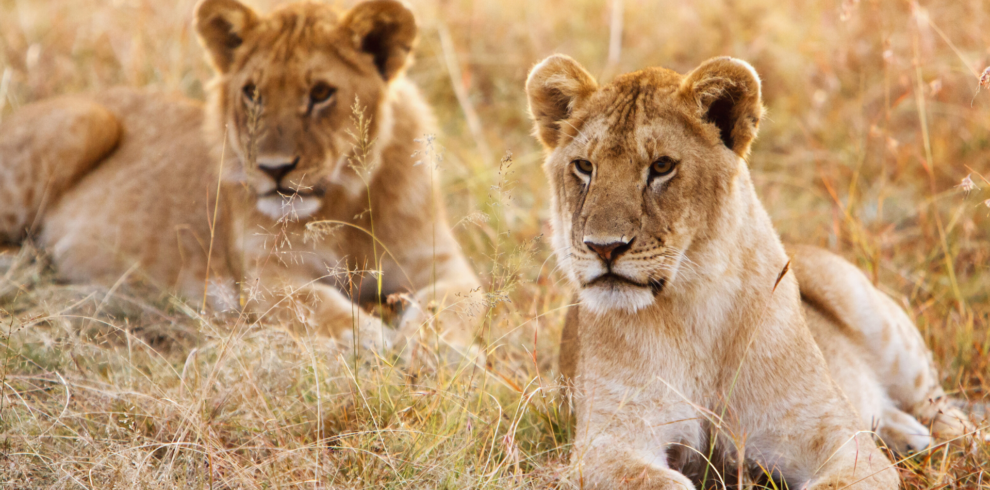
x: 221, y: 25
x: 386, y: 30
x: 726, y: 92
x: 555, y: 88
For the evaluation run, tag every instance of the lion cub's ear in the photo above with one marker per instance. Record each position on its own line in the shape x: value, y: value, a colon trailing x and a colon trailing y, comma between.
x: 221, y: 25
x: 555, y: 87
x: 727, y: 94
x: 384, y: 29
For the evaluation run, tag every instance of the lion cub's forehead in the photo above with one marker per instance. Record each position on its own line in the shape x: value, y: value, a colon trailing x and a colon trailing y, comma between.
x: 295, y: 29
x: 291, y: 19
x: 637, y: 94
x: 639, y: 114
x: 600, y: 143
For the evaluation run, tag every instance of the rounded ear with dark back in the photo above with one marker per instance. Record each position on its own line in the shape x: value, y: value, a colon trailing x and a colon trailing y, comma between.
x: 384, y: 29
x: 555, y: 87
x: 726, y: 92
x: 221, y: 25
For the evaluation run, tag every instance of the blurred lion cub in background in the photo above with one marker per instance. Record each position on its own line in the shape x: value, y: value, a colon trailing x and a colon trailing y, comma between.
x: 309, y: 119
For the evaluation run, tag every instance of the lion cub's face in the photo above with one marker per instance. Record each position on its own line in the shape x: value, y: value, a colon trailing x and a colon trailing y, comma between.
x: 286, y: 84
x: 639, y: 169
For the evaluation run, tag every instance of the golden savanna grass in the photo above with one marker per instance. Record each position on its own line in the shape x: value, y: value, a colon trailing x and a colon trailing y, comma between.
x: 876, y: 145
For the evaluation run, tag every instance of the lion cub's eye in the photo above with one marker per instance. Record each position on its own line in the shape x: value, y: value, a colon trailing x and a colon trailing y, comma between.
x: 662, y: 167
x: 583, y: 166
x: 320, y: 93
x: 250, y: 91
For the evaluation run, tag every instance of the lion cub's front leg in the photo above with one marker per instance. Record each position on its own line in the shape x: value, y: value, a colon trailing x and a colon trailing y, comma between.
x: 857, y: 465
x: 346, y: 321
x: 314, y: 307
x: 609, y: 466
x: 445, y: 302
x: 610, y: 457
x: 609, y: 463
x: 624, y: 430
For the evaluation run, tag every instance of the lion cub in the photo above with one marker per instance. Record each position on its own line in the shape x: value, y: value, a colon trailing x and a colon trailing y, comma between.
x: 691, y: 325
x: 309, y: 120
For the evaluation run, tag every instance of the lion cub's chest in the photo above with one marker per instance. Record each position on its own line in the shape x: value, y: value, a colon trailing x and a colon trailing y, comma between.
x: 659, y: 373
x: 331, y: 247
x: 646, y: 370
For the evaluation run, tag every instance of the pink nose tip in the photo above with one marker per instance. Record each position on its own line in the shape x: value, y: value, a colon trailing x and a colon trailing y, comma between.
x: 609, y: 251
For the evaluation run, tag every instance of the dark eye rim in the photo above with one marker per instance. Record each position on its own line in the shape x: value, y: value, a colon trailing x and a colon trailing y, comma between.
x: 577, y: 166
x: 665, y: 160
x: 321, y: 92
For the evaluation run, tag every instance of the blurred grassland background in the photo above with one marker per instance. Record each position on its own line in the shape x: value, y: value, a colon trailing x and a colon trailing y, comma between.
x: 874, y: 122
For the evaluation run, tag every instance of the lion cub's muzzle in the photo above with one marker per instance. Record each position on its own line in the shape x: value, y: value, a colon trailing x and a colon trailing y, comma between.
x: 281, y: 190
x: 281, y: 181
x: 609, y: 251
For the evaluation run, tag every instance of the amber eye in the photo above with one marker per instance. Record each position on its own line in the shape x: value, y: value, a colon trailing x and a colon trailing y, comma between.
x: 663, y: 166
x: 250, y: 91
x: 320, y: 93
x: 583, y: 166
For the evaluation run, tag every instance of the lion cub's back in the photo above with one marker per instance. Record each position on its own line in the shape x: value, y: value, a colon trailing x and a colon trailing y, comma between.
x: 146, y: 202
x: 45, y: 148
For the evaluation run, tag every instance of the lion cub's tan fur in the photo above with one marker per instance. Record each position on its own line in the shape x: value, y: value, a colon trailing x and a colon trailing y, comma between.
x: 686, y: 329
x: 123, y: 183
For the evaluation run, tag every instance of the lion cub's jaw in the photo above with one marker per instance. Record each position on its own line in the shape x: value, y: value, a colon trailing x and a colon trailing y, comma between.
x: 642, y: 169
x: 302, y: 97
x: 293, y: 207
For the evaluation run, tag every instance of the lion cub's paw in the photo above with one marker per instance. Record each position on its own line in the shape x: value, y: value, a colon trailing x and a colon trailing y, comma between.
x: 439, y: 350
x: 419, y: 335
x: 372, y: 335
x: 903, y: 433
x: 658, y: 479
x: 952, y: 423
x: 637, y: 477
x: 865, y: 473
x: 885, y: 480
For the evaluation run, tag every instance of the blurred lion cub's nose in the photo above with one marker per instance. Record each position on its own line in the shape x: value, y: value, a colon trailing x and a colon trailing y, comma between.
x: 278, y: 170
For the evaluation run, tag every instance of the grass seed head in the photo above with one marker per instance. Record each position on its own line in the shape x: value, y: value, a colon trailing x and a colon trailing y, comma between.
x: 967, y: 185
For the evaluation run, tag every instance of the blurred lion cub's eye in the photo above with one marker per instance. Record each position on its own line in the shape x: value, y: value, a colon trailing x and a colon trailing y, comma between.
x: 663, y: 166
x: 583, y: 166
x: 320, y: 93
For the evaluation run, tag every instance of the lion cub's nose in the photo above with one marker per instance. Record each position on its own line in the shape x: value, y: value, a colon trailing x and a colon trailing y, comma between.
x: 278, y: 170
x: 609, y: 251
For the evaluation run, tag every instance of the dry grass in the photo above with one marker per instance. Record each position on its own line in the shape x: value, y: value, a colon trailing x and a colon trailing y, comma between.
x: 874, y: 121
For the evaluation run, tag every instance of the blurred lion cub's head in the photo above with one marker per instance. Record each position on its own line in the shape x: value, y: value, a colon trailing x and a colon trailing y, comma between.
x: 284, y: 90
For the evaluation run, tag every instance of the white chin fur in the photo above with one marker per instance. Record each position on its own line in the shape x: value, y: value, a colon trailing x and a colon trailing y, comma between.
x: 601, y: 299
x: 293, y: 207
